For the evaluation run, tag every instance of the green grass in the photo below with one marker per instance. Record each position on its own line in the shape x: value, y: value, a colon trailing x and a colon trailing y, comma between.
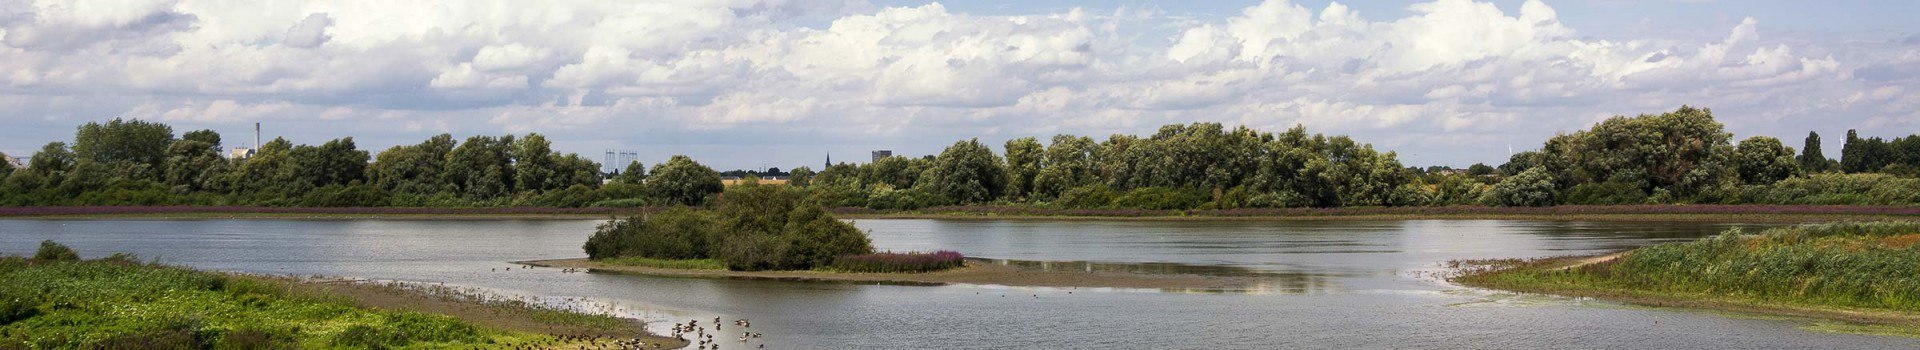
x: 119, y: 302
x: 1859, y: 267
x: 683, y: 264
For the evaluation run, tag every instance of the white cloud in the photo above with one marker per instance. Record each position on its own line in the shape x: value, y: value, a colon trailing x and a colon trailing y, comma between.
x: 605, y: 72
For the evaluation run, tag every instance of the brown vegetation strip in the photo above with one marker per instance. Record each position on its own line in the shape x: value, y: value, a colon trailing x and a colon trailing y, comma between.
x: 974, y: 272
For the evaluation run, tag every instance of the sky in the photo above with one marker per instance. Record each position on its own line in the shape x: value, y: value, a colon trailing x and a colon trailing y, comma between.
x: 783, y: 83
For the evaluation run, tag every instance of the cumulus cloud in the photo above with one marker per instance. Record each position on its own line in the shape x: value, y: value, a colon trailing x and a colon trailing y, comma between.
x: 741, y: 73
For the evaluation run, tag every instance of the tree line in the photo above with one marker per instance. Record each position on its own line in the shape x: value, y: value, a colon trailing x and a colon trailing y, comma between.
x: 1683, y: 156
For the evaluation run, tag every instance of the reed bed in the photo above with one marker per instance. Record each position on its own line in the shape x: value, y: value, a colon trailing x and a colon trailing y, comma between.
x: 890, y: 262
x: 1859, y: 265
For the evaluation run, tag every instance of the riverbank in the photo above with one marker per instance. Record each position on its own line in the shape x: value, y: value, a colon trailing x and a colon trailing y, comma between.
x: 976, y: 271
x: 1861, y: 273
x: 120, y: 302
x: 1642, y: 213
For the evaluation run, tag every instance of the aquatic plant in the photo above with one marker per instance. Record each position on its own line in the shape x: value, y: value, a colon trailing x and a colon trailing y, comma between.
x: 898, y: 262
x: 1871, y: 265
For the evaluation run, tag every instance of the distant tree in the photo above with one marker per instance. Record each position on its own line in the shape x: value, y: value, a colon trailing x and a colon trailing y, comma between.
x: 533, y: 164
x: 337, y: 162
x: 120, y: 143
x: 188, y: 162
x: 53, y: 161
x: 967, y: 172
x: 1481, y: 169
x: 413, y: 169
x: 211, y: 138
x: 1024, y: 156
x: 1762, y: 160
x: 800, y: 177
x: 895, y: 172
x: 1531, y: 188
x: 1682, y: 152
x: 681, y: 180
x: 1811, y: 159
x: 634, y: 174
x: 6, y: 168
x: 1069, y: 164
x: 481, y: 167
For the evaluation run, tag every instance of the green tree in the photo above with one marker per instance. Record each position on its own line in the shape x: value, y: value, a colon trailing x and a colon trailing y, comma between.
x: 967, y: 172
x: 1811, y: 159
x: 634, y: 174
x: 681, y: 180
x: 211, y: 138
x: 1762, y: 160
x: 188, y: 162
x: 6, y: 168
x: 413, y: 169
x: 481, y: 168
x: 533, y: 163
x: 800, y: 177
x: 121, y: 142
x: 1024, y: 156
x: 1069, y: 164
x: 337, y: 162
x: 1531, y: 188
x: 1683, y: 152
x: 895, y: 172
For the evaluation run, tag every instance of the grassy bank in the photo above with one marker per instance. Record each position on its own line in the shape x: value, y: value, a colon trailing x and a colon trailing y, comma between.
x: 1853, y: 271
x: 56, y: 301
x: 1716, y: 213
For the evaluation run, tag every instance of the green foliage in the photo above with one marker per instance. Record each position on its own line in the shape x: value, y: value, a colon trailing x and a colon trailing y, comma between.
x: 52, y: 251
x: 1606, y: 193
x: 1837, y: 189
x: 1069, y: 163
x: 1811, y: 159
x: 1683, y: 152
x: 683, y: 181
x: 683, y: 264
x: 1160, y: 198
x: 634, y: 174
x: 752, y: 227
x: 1023, y: 166
x: 1864, y: 265
x: 1089, y: 196
x: 121, y: 303
x: 907, y: 199
x: 1530, y: 188
x: 1862, y: 155
x: 353, y: 195
x: 1457, y: 190
x: 800, y: 177
x: 123, y: 142
x: 966, y: 172
x: 1763, y: 160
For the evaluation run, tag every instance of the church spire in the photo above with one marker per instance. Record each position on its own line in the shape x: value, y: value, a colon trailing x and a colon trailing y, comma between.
x: 829, y: 161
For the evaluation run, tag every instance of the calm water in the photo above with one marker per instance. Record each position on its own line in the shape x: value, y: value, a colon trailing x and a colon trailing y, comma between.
x: 1333, y: 285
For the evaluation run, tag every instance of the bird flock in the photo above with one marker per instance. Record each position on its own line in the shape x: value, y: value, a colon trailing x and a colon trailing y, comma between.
x: 704, y: 340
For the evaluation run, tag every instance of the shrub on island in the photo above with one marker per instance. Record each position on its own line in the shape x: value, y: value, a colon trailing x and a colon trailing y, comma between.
x: 751, y: 227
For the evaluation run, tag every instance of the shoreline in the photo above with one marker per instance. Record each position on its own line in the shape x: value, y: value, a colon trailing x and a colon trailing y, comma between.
x: 1628, y: 213
x: 1908, y: 324
x: 467, y: 307
x: 976, y: 272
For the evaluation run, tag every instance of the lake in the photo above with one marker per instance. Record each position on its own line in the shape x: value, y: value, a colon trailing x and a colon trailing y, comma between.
x: 1332, y: 284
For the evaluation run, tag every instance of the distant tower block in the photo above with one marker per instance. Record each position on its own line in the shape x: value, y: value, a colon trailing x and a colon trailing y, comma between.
x: 881, y: 154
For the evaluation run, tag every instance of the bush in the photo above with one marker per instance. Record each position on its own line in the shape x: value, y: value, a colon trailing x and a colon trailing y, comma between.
x: 1843, y: 189
x: 1606, y: 193
x: 836, y: 196
x: 50, y: 251
x: 899, y: 262
x: 751, y: 227
x: 1531, y: 188
x: 907, y: 199
x: 1086, y: 197
x: 355, y: 195
x: 1160, y: 198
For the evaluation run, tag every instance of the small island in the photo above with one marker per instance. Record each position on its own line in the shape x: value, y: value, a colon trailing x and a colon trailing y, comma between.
x: 1857, y: 272
x: 757, y: 231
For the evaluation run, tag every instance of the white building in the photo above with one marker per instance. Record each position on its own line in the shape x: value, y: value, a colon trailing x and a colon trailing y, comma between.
x: 16, y: 162
x: 240, y: 153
